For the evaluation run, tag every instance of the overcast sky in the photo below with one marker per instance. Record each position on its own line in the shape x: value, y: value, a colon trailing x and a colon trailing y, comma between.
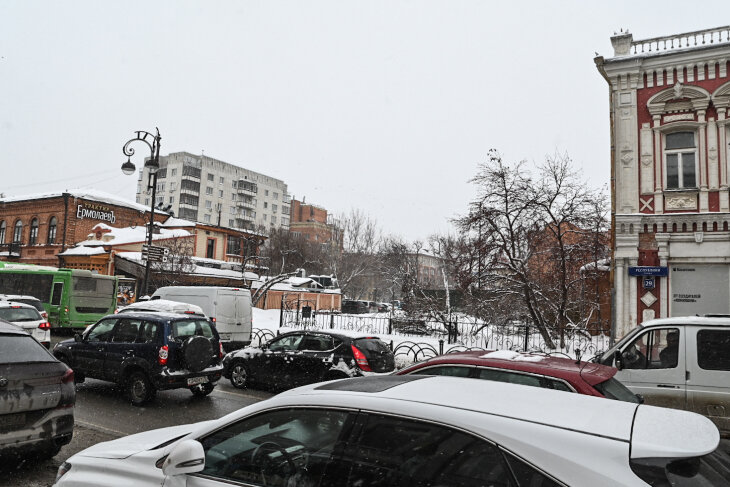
x: 385, y: 106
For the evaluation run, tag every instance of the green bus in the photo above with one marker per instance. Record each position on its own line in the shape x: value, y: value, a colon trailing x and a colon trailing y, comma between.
x: 73, y: 298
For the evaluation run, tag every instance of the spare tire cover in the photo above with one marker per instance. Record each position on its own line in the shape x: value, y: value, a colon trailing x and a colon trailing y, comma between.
x: 197, y: 352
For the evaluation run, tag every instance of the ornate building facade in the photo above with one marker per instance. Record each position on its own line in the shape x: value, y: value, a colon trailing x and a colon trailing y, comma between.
x: 670, y: 128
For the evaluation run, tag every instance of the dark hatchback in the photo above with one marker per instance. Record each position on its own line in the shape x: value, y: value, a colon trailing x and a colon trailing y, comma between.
x: 37, y: 396
x: 303, y: 357
x: 145, y: 352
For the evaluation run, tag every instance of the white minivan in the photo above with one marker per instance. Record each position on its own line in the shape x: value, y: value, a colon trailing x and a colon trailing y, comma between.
x: 228, y: 307
x: 680, y: 363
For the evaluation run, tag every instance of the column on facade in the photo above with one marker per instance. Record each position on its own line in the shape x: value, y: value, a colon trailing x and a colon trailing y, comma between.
x: 704, y: 200
x: 619, y: 298
x: 662, y: 240
x: 723, y: 159
x: 647, y: 160
x: 658, y: 195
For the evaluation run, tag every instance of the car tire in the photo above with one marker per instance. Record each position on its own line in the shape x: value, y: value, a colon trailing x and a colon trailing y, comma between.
x: 240, y: 377
x: 139, y: 388
x: 202, y: 390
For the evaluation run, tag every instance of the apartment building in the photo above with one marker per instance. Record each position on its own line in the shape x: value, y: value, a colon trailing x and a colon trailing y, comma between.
x: 202, y: 189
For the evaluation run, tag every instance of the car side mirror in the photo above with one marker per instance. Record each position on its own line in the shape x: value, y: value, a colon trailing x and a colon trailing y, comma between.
x: 78, y: 338
x: 186, y: 457
x: 618, y: 360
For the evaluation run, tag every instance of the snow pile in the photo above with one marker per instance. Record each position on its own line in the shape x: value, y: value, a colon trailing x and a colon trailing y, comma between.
x: 512, y: 355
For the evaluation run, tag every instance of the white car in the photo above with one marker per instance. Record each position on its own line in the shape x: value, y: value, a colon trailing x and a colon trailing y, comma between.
x: 28, y: 318
x: 26, y: 299
x: 415, y: 431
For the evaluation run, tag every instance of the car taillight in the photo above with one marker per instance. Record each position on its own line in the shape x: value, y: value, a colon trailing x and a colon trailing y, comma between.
x: 162, y: 355
x: 360, y: 359
x: 65, y: 310
x: 212, y: 319
x: 68, y: 390
x: 220, y: 350
x: 45, y: 326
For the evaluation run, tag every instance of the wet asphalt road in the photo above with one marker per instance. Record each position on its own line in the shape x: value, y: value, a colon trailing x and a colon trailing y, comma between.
x: 102, y: 413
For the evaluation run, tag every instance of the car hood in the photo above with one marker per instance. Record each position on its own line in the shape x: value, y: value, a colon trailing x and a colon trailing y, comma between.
x: 129, y: 445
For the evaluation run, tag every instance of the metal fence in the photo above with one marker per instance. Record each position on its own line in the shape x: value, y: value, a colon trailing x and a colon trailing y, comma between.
x: 431, y: 338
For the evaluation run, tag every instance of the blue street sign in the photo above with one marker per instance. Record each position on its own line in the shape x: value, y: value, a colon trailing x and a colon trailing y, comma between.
x: 648, y: 283
x: 646, y: 270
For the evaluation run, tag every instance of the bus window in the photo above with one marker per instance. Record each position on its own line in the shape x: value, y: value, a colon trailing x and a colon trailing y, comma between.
x: 57, y: 292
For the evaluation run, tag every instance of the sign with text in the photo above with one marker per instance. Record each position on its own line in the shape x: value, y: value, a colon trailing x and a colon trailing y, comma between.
x: 698, y: 289
x: 95, y: 212
x: 646, y: 270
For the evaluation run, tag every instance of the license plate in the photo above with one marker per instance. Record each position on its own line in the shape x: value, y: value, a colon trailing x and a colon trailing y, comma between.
x: 197, y: 380
x: 7, y: 420
x: 225, y: 336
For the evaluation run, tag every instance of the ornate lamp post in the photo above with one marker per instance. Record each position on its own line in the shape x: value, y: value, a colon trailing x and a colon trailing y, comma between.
x: 152, y: 164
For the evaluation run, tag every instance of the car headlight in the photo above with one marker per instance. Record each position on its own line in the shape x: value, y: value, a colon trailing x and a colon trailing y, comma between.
x: 62, y: 470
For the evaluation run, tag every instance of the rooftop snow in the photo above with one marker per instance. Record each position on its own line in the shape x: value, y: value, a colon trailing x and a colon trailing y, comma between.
x: 87, y: 194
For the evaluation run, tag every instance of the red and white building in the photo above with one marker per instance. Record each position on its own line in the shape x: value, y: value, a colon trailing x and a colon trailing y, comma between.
x: 670, y: 128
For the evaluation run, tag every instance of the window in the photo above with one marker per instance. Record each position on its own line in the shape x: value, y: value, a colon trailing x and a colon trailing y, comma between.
x: 173, y: 185
x: 510, y: 377
x: 713, y: 349
x: 18, y: 232
x: 266, y: 205
x: 126, y: 331
x: 171, y: 200
x: 680, y: 156
x: 161, y: 187
x: 234, y: 245
x: 289, y: 342
x: 450, y: 370
x: 52, y: 223
x: 265, y: 216
x: 102, y: 331
x: 210, y: 247
x: 57, y: 293
x: 317, y: 343
x: 273, y: 220
x: 266, y: 192
x: 149, y: 333
x: 209, y: 190
x: 3, y: 228
x: 173, y: 172
x: 232, y: 223
x: 232, y: 210
x: 251, y: 450
x: 274, y: 209
x: 211, y: 177
x: 209, y: 204
x: 393, y: 451
x: 33, y: 232
x: 276, y: 196
x: 221, y: 180
x: 233, y: 196
x: 206, y: 218
x: 220, y: 193
x: 655, y: 349
x: 159, y: 200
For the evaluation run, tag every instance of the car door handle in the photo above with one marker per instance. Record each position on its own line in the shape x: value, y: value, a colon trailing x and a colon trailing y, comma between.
x: 667, y: 386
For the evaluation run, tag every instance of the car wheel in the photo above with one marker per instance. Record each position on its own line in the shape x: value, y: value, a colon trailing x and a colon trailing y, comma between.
x: 239, y: 375
x: 202, y: 390
x: 139, y: 388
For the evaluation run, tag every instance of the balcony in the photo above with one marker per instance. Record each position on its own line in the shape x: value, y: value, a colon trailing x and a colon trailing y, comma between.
x: 244, y: 187
x: 246, y: 204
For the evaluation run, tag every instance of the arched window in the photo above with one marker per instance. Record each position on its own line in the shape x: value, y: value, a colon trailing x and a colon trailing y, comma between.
x: 18, y: 232
x: 52, y: 230
x: 33, y: 232
x: 3, y: 227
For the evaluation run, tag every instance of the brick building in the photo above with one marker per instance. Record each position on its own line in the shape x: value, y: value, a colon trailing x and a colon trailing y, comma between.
x: 669, y: 101
x: 313, y: 223
x: 35, y: 228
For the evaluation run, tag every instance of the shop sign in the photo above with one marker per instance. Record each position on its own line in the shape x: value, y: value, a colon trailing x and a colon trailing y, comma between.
x: 95, y: 212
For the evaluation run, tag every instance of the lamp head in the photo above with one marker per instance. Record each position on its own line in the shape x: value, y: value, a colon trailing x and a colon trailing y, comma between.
x: 128, y: 167
x: 152, y: 165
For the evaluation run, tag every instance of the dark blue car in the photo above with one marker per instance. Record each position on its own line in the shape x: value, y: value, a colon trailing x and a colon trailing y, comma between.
x: 147, y: 351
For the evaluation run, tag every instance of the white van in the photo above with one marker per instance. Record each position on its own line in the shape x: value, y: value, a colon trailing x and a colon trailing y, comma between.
x: 681, y: 363
x: 228, y: 307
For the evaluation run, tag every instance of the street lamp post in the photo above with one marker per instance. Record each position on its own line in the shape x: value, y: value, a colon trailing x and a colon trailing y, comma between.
x: 153, y: 165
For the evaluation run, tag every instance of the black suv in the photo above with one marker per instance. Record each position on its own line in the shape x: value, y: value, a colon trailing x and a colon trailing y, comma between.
x: 144, y: 352
x: 302, y: 357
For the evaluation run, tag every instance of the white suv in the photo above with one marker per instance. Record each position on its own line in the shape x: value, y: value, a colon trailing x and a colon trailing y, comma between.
x: 28, y: 318
x: 417, y: 431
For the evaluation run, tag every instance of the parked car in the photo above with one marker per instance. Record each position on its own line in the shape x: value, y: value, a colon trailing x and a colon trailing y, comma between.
x: 165, y: 306
x: 28, y: 318
x: 355, y: 307
x: 303, y: 357
x: 146, y: 352
x: 681, y: 362
x: 419, y: 431
x: 229, y: 308
x: 25, y: 299
x: 561, y: 374
x: 37, y: 396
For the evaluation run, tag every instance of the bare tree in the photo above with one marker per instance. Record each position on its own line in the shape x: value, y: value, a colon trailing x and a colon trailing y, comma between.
x: 179, y: 263
x: 532, y: 236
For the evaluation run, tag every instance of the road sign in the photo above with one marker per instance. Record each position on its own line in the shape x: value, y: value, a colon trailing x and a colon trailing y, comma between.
x: 154, y: 253
x: 645, y: 270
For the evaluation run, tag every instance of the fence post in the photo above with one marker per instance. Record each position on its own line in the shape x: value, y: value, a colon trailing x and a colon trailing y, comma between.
x: 527, y: 334
x: 391, y: 345
x: 332, y: 321
x: 281, y: 313
x: 441, y: 346
x: 390, y: 324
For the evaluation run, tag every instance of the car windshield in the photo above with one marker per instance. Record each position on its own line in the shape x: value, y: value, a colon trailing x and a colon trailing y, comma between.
x: 187, y: 328
x: 607, y: 356
x: 22, y: 348
x: 613, y: 389
x: 16, y: 315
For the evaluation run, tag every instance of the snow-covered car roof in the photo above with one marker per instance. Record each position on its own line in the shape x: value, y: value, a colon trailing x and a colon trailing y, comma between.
x: 163, y: 305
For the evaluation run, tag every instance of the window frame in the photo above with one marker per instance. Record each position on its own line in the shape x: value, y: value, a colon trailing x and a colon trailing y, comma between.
x: 3, y: 230
x: 18, y: 231
x: 678, y: 152
x: 33, y: 235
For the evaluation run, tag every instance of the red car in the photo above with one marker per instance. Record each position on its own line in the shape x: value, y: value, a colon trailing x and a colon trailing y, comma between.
x: 558, y: 373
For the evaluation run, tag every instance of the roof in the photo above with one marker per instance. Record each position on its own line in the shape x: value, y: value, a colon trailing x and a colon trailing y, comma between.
x: 87, y: 194
x: 688, y: 320
x: 483, y: 406
x: 157, y: 315
x: 338, y: 333
x: 15, y: 304
x: 559, y: 367
x: 163, y: 305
